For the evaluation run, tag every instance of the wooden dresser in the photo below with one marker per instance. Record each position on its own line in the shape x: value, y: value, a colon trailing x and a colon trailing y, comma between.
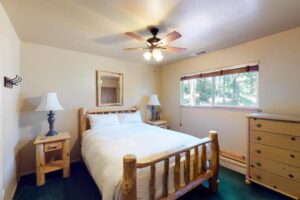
x: 274, y: 153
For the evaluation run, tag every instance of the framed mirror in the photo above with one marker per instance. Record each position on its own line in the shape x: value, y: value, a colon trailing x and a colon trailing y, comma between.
x: 109, y: 89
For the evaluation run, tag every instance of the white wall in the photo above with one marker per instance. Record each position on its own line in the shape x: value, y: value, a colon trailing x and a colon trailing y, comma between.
x: 9, y: 110
x: 73, y: 76
x: 279, y: 80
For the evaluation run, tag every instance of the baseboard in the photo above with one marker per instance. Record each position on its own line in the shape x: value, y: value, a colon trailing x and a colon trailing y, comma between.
x: 26, y: 173
x: 14, y: 190
x: 234, y: 164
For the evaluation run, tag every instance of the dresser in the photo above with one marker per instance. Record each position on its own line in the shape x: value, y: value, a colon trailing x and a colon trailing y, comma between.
x: 274, y: 153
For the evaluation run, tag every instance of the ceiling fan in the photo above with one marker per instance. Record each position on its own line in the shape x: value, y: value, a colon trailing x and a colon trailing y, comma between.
x: 155, y: 44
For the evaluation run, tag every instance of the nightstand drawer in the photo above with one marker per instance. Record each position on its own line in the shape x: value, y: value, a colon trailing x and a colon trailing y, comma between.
x: 53, y: 146
x: 275, y: 140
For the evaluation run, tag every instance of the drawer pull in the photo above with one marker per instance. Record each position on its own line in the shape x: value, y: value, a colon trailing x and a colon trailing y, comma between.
x: 293, y: 138
x: 252, y: 166
x: 291, y: 175
x: 259, y: 151
x: 258, y: 164
x: 258, y: 125
x: 292, y: 156
x: 258, y: 138
x: 258, y: 177
x: 52, y: 147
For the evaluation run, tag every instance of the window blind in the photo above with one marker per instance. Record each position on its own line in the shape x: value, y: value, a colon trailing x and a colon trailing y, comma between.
x: 252, y: 68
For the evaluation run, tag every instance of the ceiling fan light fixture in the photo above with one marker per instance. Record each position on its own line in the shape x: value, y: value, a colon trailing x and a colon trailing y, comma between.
x: 155, y: 44
x: 159, y: 57
x: 156, y: 53
x: 147, y: 55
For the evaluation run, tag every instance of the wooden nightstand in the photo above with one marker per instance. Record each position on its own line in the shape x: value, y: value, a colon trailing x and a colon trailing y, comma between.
x: 44, y: 145
x: 159, y: 123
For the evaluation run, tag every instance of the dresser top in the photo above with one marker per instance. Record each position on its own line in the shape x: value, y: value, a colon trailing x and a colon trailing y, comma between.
x: 290, y: 118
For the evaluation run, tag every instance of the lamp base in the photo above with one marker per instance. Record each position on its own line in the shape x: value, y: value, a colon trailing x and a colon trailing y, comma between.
x: 51, y: 133
x: 152, y: 113
x: 51, y: 120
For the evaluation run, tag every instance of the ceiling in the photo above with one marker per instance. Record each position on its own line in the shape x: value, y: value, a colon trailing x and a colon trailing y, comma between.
x: 98, y: 26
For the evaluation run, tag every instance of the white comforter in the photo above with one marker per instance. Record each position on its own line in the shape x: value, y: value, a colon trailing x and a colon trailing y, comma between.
x: 103, y: 150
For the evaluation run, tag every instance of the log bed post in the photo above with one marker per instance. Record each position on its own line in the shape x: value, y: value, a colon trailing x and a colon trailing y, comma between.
x: 203, y: 159
x: 129, y: 178
x: 82, y: 122
x: 214, y: 159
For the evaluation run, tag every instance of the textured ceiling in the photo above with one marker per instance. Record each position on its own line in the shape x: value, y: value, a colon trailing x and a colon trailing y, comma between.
x: 98, y: 26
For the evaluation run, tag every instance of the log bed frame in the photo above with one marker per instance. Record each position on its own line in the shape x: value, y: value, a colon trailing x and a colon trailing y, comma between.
x: 131, y: 164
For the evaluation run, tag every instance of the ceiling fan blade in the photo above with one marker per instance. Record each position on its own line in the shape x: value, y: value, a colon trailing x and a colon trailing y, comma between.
x: 133, y: 49
x: 174, y: 49
x: 170, y: 37
x: 135, y: 36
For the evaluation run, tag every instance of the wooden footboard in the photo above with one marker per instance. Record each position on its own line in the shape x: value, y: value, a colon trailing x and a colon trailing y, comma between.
x: 200, y: 173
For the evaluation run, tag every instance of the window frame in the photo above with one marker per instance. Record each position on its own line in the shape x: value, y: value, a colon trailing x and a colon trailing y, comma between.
x: 222, y: 107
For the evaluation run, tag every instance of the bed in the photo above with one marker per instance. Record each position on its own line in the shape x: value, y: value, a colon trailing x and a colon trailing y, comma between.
x: 139, y: 161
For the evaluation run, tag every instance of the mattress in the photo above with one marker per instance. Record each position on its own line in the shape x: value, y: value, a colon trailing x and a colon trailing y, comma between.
x: 103, y: 150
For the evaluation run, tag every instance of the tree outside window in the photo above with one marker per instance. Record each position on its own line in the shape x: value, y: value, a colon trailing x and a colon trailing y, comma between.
x: 233, y: 90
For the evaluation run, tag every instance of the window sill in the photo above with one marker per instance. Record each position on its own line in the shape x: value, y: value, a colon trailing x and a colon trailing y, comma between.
x: 223, y: 108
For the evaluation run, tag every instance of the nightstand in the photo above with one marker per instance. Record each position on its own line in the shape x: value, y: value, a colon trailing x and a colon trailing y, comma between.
x: 159, y: 123
x: 45, y: 145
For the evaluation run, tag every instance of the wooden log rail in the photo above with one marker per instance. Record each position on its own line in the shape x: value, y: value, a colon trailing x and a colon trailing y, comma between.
x: 200, y: 173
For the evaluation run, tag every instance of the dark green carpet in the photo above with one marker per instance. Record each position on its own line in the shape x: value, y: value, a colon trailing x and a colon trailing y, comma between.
x: 80, y: 185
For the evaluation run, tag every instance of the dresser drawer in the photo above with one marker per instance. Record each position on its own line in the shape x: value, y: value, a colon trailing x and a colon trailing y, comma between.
x: 53, y: 146
x: 276, y: 182
x: 284, y: 156
x: 286, y: 171
x: 287, y: 128
x: 276, y: 140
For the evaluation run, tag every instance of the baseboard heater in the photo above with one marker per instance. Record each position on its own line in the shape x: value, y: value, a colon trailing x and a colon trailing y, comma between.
x: 233, y: 161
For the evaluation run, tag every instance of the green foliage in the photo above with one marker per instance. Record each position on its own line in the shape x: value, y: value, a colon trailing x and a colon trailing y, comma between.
x: 229, y: 90
x: 204, y: 90
x: 186, y: 88
x: 236, y: 90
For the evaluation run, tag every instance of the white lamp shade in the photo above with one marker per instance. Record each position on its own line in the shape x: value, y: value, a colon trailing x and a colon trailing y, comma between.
x: 153, y: 100
x: 49, y: 102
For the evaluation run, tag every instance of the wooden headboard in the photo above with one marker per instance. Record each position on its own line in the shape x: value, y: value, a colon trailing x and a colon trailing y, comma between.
x: 83, y: 121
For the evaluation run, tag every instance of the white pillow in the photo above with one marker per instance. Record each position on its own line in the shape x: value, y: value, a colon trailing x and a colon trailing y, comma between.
x: 135, y: 117
x: 103, y: 120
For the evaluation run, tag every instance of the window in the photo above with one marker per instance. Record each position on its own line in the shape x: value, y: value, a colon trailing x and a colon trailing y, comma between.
x: 236, y: 87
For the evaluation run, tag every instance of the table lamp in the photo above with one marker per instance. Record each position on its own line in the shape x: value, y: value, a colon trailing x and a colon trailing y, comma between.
x: 50, y: 103
x: 153, y: 101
